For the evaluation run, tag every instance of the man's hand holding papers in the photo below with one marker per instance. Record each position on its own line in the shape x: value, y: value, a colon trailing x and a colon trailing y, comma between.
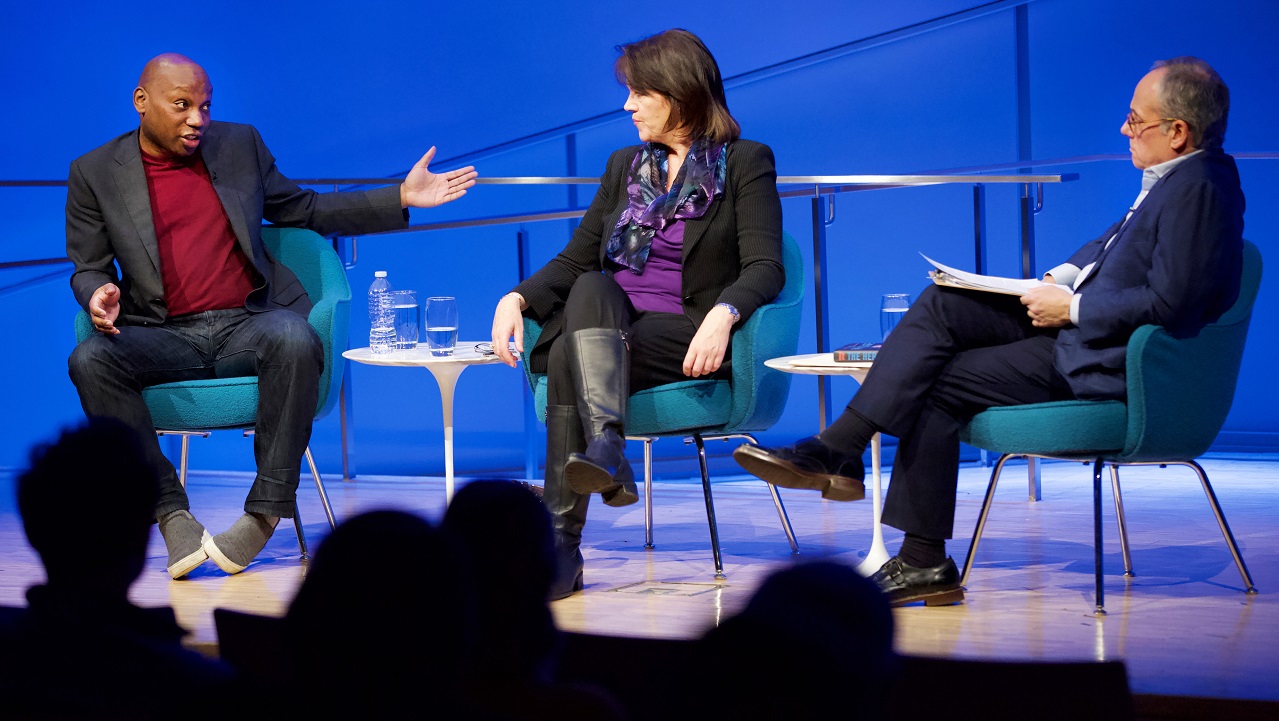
x: 1047, y: 304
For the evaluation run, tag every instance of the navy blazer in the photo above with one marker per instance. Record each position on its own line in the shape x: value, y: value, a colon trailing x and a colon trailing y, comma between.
x: 732, y: 254
x: 109, y: 221
x: 1176, y: 263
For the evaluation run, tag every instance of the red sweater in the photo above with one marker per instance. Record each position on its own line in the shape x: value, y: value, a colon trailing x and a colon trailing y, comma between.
x: 201, y: 264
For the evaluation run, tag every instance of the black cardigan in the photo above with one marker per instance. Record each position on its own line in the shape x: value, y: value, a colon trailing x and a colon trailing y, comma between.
x: 732, y: 254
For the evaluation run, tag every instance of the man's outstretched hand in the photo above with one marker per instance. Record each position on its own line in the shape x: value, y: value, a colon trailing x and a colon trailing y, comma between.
x: 424, y: 189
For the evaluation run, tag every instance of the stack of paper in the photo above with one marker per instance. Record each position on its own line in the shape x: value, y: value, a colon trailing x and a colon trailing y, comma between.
x: 955, y: 278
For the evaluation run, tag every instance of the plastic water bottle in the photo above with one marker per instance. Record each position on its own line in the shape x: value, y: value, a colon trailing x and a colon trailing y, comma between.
x: 381, y: 316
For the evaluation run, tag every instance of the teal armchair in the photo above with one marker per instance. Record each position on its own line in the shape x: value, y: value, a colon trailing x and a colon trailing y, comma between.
x: 1179, y: 393
x: 190, y: 408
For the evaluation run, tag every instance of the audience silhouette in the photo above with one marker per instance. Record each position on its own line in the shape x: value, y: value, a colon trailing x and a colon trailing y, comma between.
x: 81, y: 650
x: 387, y: 610
x: 411, y: 619
x: 506, y: 533
x: 814, y: 636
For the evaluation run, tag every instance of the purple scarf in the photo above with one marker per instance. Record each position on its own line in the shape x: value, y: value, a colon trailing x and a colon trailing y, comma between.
x: 652, y: 208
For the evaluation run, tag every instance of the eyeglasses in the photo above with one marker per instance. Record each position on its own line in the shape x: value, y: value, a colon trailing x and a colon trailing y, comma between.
x: 1135, y: 123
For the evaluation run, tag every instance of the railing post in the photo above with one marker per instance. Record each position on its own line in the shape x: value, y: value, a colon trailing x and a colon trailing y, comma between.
x: 345, y: 248
x: 530, y: 408
x: 820, y: 306
x: 1027, y: 232
x: 346, y: 415
x: 979, y: 228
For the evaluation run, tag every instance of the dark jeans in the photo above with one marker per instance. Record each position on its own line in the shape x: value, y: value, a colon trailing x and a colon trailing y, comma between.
x: 955, y: 354
x: 278, y: 346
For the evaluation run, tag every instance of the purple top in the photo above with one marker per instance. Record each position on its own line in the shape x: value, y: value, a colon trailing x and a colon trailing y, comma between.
x: 658, y: 287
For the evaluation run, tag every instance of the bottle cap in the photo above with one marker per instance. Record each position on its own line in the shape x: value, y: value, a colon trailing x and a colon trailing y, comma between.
x: 379, y: 274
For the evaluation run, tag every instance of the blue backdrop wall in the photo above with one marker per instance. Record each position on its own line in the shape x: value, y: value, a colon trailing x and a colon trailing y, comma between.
x: 340, y: 89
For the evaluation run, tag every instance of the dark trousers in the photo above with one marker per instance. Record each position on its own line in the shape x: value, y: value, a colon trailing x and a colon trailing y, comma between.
x: 955, y: 354
x: 658, y: 341
x: 278, y: 346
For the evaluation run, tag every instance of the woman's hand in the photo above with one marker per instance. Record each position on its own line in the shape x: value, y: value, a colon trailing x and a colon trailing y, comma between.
x: 508, y: 322
x: 706, y: 351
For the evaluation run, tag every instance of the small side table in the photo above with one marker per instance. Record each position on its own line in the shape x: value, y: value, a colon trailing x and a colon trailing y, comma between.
x: 823, y: 364
x: 446, y: 370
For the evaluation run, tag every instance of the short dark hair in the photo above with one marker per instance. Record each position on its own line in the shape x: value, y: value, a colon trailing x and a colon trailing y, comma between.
x: 676, y: 64
x: 90, y: 488
x: 1192, y: 91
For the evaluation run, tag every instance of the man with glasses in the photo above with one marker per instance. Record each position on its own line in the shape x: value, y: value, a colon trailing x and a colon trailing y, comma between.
x: 1174, y: 260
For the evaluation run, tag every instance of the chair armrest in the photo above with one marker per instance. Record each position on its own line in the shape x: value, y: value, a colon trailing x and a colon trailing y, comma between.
x: 1179, y: 390
x: 536, y: 381
x: 759, y: 392
x: 83, y: 326
x: 331, y: 319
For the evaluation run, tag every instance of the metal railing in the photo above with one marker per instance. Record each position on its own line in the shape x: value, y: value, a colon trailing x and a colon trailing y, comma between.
x: 821, y: 189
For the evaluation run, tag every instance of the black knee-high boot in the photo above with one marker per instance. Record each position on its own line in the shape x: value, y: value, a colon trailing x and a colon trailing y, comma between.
x: 600, y: 364
x: 568, y: 509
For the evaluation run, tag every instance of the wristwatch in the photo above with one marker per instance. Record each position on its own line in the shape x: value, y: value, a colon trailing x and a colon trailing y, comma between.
x: 731, y: 311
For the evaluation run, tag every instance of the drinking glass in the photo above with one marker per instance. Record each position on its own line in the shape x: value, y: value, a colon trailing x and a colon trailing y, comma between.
x: 441, y: 324
x: 407, y: 318
x: 891, y: 309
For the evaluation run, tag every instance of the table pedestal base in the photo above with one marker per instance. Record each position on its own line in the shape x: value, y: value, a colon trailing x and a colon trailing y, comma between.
x: 878, y: 554
x: 446, y: 377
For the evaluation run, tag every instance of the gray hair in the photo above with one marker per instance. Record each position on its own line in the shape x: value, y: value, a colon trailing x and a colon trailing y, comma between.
x: 1192, y: 91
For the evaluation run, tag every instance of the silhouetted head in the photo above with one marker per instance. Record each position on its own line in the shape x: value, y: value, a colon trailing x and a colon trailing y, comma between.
x: 506, y: 532
x: 815, y: 635
x: 387, y: 604
x: 87, y: 502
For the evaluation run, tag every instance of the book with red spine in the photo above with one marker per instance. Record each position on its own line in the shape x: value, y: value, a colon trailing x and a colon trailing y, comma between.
x: 856, y: 352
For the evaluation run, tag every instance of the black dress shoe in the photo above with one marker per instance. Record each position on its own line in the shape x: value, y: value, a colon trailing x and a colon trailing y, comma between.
x: 903, y: 583
x: 809, y: 464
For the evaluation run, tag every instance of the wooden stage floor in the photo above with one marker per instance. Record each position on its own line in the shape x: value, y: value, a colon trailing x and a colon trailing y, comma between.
x: 1183, y: 625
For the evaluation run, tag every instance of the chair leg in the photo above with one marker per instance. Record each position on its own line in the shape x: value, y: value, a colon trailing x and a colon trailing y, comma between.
x: 648, y: 492
x: 781, y: 514
x: 1123, y: 523
x: 710, y: 504
x: 185, y: 454
x: 297, y: 513
x: 319, y: 486
x: 297, y: 526
x: 1096, y: 536
x: 182, y: 459
x: 648, y: 487
x: 1225, y: 527
x: 1034, y: 478
x: 777, y: 503
x: 981, y: 517
x: 777, y: 498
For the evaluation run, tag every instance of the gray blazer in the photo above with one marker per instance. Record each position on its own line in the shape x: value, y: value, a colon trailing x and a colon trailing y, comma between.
x: 109, y: 221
